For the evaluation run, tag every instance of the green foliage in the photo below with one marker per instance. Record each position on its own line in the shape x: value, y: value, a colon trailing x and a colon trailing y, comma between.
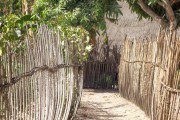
x: 155, y: 7
x: 133, y: 4
x: 10, y: 7
x: 73, y: 16
x: 141, y: 13
x: 78, y: 42
x: 75, y: 19
x: 88, y: 14
x: 14, y: 26
x: 13, y: 30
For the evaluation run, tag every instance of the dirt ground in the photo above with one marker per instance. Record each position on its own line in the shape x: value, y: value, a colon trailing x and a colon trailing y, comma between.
x: 107, y: 105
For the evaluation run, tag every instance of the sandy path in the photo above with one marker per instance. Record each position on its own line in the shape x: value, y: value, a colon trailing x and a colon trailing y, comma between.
x: 107, y: 105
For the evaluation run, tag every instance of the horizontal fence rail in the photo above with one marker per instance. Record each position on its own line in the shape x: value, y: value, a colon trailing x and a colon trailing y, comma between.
x: 36, y: 69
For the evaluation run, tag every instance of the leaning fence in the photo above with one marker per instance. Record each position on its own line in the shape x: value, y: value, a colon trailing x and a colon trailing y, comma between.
x: 39, y: 82
x: 149, y: 76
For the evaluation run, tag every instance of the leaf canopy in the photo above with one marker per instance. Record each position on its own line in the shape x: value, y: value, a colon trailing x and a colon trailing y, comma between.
x: 17, y: 17
x: 157, y: 8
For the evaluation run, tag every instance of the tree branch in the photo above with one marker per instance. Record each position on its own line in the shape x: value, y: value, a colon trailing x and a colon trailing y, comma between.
x: 174, y: 1
x: 151, y: 13
x: 170, y: 14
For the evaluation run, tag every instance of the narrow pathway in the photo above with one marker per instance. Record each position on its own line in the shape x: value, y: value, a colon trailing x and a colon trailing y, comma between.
x: 107, y: 105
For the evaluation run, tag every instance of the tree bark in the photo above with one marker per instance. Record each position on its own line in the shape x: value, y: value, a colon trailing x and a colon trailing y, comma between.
x: 151, y: 13
x: 173, y: 1
x: 24, y: 7
x: 170, y: 14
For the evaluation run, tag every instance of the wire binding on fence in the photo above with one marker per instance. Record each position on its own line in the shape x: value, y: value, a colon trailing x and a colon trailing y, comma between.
x: 170, y: 88
x: 36, y: 69
x: 146, y: 62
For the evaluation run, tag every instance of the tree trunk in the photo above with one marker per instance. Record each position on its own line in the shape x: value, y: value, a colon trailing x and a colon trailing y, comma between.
x: 170, y: 14
x: 151, y: 13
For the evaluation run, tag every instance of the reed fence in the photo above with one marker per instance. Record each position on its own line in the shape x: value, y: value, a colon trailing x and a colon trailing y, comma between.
x: 100, y: 75
x: 40, y: 82
x: 100, y: 71
x: 149, y: 76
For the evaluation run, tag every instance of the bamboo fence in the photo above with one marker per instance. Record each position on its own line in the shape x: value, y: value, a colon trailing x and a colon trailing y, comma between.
x: 149, y: 76
x: 41, y: 82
